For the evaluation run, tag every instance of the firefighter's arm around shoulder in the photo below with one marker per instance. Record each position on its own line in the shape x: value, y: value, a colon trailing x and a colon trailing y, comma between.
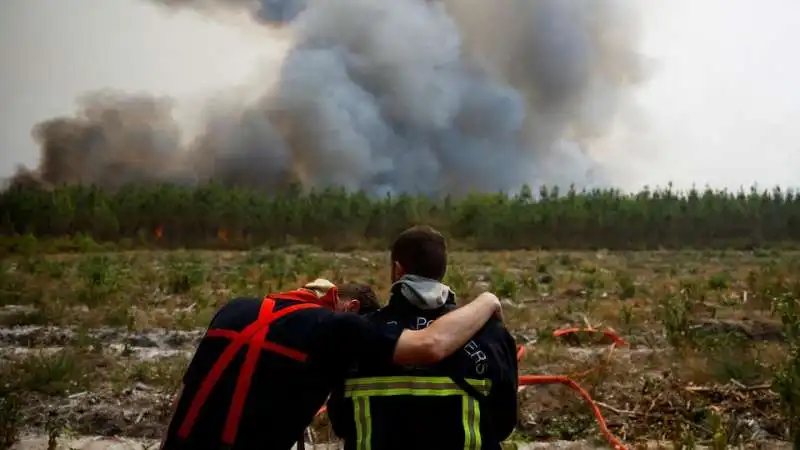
x: 505, y: 381
x: 448, y: 333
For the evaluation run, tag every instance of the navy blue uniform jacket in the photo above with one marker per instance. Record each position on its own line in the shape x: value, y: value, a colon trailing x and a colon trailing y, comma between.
x: 433, y: 422
x: 284, y: 393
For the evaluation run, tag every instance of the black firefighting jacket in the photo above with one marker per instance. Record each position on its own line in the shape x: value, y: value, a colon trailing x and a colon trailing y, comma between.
x: 468, y: 401
x: 264, y: 369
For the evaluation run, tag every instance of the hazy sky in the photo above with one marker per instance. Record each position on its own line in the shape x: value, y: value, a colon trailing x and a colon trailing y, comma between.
x: 725, y: 99
x: 52, y: 51
x: 720, y: 109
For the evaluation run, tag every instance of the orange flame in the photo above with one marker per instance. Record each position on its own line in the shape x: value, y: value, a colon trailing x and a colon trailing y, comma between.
x: 222, y: 233
x: 159, y: 231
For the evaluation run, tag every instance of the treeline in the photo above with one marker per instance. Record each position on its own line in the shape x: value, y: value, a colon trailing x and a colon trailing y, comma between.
x: 213, y: 216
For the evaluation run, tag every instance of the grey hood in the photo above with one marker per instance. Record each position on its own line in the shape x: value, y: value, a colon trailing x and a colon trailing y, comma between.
x: 424, y: 293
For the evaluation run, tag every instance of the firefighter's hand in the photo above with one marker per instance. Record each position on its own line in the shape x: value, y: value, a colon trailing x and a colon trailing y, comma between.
x: 499, y: 312
x: 488, y: 296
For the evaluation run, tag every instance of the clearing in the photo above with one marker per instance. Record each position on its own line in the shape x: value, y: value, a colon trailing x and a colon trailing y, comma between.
x: 94, y: 344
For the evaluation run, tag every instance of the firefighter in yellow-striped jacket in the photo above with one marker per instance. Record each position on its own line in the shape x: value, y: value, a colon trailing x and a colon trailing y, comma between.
x: 468, y: 401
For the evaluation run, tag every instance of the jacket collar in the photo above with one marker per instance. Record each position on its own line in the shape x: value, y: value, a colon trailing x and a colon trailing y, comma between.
x: 399, y: 304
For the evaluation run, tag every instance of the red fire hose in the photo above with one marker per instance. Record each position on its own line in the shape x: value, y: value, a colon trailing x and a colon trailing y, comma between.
x: 527, y: 380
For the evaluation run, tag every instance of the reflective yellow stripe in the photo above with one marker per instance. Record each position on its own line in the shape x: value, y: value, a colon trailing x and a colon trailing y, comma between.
x: 395, y: 379
x: 471, y: 416
x: 419, y: 386
x: 361, y: 389
x: 476, y: 420
x: 363, y: 423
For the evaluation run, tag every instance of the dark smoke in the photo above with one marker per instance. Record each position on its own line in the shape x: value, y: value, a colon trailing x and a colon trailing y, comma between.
x: 402, y: 95
x: 115, y: 140
x: 270, y: 11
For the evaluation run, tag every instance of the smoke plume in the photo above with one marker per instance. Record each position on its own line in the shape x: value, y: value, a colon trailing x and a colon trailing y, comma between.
x: 415, y: 96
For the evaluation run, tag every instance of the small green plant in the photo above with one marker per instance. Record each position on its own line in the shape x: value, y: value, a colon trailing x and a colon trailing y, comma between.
x: 627, y: 287
x: 457, y: 281
x: 96, y: 271
x: 121, y: 316
x: 787, y: 385
x: 719, y: 282
x: 787, y: 307
x: 54, y: 426
x: 529, y: 282
x: 277, y: 266
x: 626, y: 315
x: 10, y: 418
x: 719, y: 438
x: 310, y: 265
x: 184, y: 275
x: 590, y: 283
x: 85, y: 243
x: 503, y: 284
x: 675, y: 311
x: 787, y: 378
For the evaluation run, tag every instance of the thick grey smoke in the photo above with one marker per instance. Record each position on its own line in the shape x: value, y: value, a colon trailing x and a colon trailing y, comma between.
x: 405, y: 95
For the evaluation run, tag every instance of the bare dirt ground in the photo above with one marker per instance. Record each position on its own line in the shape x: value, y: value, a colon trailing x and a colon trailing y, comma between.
x: 92, y: 346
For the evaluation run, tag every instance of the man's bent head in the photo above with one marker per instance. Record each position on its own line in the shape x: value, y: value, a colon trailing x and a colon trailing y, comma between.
x: 358, y: 298
x: 419, y: 250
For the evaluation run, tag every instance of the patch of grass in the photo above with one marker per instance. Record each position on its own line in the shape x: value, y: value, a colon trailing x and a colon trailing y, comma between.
x: 719, y: 281
x: 787, y: 385
x: 10, y: 418
x: 675, y: 312
x: 57, y: 374
x: 24, y: 317
x: 503, y: 284
x: 165, y: 373
x: 627, y: 287
x: 787, y: 377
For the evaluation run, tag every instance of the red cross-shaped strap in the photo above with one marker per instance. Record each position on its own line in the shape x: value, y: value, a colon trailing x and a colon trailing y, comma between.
x: 255, y: 335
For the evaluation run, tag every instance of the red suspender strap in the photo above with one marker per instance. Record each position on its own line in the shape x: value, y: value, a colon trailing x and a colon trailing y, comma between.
x: 249, y: 367
x: 254, y: 335
x: 264, y: 345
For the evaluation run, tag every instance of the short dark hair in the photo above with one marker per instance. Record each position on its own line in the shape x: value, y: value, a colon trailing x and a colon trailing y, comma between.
x: 363, y: 293
x: 422, y: 251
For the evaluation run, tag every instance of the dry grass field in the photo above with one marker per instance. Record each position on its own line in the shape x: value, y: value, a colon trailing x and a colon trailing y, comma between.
x: 95, y: 343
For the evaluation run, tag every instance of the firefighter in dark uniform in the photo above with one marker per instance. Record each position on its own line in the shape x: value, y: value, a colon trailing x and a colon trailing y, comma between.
x: 266, y: 366
x: 468, y: 401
